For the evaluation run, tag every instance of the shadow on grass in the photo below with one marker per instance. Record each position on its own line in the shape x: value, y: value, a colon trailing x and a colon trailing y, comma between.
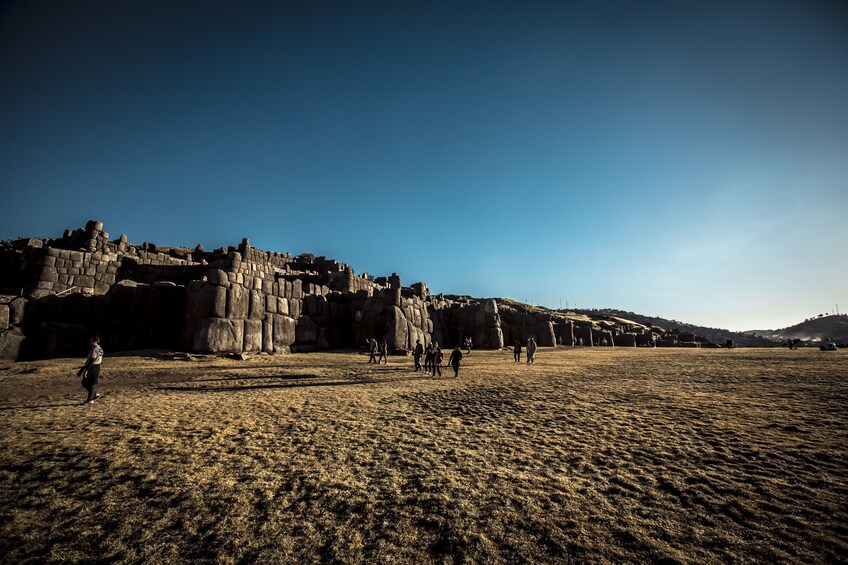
x: 37, y: 406
x: 249, y: 377
x: 289, y: 385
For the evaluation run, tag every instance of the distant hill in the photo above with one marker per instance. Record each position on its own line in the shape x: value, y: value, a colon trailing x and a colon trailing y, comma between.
x: 834, y: 327
x: 715, y: 335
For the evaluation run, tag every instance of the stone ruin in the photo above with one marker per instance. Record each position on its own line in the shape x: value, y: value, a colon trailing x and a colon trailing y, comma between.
x: 56, y: 293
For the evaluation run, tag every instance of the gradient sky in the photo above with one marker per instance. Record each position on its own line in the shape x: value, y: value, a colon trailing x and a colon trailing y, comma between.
x: 681, y: 159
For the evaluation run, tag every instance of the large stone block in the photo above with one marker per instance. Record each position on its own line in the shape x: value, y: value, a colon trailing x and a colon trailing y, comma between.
x: 238, y: 302
x: 257, y: 305
x: 219, y: 335
x: 397, y: 333
x: 284, y: 333
x: 270, y: 304
x: 283, y: 306
x: 217, y: 277
x: 4, y: 316
x: 306, y: 330
x: 268, y: 334
x: 252, y: 335
x: 295, y: 308
x: 209, y: 301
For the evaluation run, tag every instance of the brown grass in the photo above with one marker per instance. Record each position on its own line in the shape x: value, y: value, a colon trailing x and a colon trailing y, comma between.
x: 589, y: 455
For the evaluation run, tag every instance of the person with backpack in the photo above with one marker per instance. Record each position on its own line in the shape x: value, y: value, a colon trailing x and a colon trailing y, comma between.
x: 455, y: 358
x: 437, y: 360
x: 90, y: 372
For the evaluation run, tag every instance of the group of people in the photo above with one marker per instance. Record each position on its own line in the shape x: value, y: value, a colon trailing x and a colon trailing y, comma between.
x: 433, y: 358
x: 531, y: 351
x: 379, y: 352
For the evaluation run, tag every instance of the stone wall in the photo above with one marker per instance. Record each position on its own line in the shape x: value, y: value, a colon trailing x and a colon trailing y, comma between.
x: 56, y: 293
x: 59, y: 292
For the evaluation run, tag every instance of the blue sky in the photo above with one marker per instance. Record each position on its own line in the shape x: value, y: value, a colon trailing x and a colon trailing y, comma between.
x: 681, y: 159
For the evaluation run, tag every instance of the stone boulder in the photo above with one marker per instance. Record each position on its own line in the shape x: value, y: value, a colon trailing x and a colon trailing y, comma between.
x: 10, y: 343
x: 219, y: 335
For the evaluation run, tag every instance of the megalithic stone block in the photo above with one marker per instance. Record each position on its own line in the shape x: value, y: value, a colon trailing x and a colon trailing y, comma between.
x: 252, y: 335
x: 237, y: 302
x: 219, y: 335
x: 284, y: 333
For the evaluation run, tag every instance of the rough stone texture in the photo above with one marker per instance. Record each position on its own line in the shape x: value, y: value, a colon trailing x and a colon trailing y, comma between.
x: 10, y: 343
x: 625, y: 340
x: 238, y: 301
x: 284, y: 333
x: 252, y: 335
x: 306, y: 331
x: 257, y: 305
x: 268, y: 334
x: 584, y: 333
x: 4, y: 316
x: 219, y: 335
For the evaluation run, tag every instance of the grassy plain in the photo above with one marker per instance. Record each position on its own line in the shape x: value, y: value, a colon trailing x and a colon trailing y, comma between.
x: 597, y: 454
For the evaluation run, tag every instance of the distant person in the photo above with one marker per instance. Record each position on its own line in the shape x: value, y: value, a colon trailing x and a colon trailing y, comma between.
x: 454, y: 360
x: 516, y: 351
x: 384, y: 352
x: 468, y: 345
x: 437, y: 360
x: 372, y: 346
x: 531, y: 350
x: 416, y: 354
x: 428, y: 357
x: 580, y: 341
x: 90, y: 372
x: 729, y: 344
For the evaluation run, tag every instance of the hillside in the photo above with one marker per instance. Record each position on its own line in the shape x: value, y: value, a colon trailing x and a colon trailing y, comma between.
x: 715, y: 335
x: 835, y: 327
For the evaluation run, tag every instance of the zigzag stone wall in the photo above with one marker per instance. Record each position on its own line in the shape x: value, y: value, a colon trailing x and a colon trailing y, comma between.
x: 60, y: 291
x: 56, y: 293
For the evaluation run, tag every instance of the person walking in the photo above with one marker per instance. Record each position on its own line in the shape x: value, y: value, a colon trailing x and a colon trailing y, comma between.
x: 437, y: 360
x: 416, y: 354
x: 454, y: 360
x: 384, y: 353
x: 91, y: 370
x: 372, y: 348
x: 516, y: 351
x: 531, y: 350
x: 428, y: 357
x: 468, y: 345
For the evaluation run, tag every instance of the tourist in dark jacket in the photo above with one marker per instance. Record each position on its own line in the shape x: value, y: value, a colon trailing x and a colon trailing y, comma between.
x: 516, y: 351
x: 372, y: 348
x: 417, y: 353
x: 437, y: 360
x: 428, y: 357
x: 455, y: 358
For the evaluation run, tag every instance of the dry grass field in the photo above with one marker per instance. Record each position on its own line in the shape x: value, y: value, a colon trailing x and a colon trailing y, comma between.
x: 590, y: 455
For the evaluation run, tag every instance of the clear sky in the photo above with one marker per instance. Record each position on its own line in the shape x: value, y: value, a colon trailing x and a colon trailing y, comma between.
x: 681, y: 159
